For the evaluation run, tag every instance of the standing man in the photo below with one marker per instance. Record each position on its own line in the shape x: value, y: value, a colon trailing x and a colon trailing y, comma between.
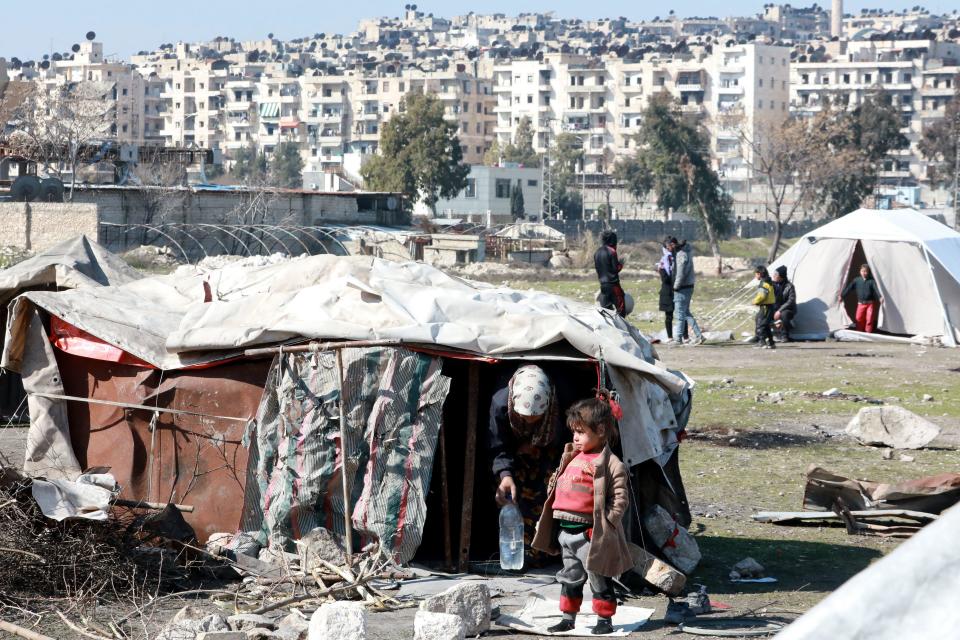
x: 683, y: 281
x: 608, y: 266
x: 869, y: 299
x: 786, y: 304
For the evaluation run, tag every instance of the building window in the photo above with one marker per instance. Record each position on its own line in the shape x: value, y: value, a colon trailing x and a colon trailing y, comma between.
x: 529, y: 79
x: 907, y: 77
x: 124, y: 92
x: 867, y: 78
x: 760, y: 80
x: 532, y: 183
x: 529, y: 99
x: 502, y: 186
x: 772, y: 105
x: 846, y: 78
x: 470, y: 191
x: 804, y: 78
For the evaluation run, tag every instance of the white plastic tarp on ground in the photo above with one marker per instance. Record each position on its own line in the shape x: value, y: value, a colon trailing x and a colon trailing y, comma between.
x: 180, y: 320
x: 911, y: 593
x: 915, y: 259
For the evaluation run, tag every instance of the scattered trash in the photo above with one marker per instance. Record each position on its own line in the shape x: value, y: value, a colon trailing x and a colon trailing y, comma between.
x: 673, y: 540
x: 927, y: 398
x: 905, y: 458
x: 893, y: 427
x: 831, y: 393
x: 748, y: 568
x: 733, y: 627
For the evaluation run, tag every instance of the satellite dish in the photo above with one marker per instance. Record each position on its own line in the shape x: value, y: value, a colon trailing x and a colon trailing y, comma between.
x: 25, y: 189
x: 91, y: 35
x: 51, y: 190
x: 391, y: 203
x: 75, y: 48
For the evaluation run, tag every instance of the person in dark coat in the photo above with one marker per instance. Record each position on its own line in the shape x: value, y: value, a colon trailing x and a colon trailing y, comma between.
x: 786, y: 304
x: 608, y: 266
x: 665, y: 268
x: 869, y: 299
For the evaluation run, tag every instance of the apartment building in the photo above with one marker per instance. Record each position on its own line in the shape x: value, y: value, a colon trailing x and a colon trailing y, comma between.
x: 916, y: 76
x: 124, y: 89
x: 601, y: 100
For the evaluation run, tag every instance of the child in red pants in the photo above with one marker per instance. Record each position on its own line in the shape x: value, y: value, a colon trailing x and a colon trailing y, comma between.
x: 588, y: 497
x: 869, y: 299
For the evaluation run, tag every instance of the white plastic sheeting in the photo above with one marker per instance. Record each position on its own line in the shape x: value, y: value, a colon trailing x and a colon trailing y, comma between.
x: 911, y: 593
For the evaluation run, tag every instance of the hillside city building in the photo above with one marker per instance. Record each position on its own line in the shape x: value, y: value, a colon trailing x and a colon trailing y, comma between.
x: 332, y: 94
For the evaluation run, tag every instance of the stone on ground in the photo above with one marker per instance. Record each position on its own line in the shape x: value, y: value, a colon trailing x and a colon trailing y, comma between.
x: 293, y: 627
x: 339, y: 621
x: 428, y: 625
x: 320, y: 544
x: 245, y: 621
x: 892, y: 427
x: 469, y: 601
x: 189, y: 622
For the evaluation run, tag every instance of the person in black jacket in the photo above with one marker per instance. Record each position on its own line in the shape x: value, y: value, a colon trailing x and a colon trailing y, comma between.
x: 665, y: 268
x: 869, y: 299
x: 786, y: 304
x: 608, y: 266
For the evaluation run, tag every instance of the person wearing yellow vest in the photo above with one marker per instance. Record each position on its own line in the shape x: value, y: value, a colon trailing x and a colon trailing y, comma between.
x: 765, y: 300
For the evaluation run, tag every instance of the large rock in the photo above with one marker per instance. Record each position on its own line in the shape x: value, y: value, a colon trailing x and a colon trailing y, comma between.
x: 245, y: 621
x: 339, y: 621
x: 892, y: 426
x: 428, y: 625
x: 658, y: 573
x: 470, y: 601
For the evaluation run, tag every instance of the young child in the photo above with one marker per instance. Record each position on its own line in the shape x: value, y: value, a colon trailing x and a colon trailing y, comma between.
x: 869, y: 299
x: 765, y: 300
x: 587, y: 500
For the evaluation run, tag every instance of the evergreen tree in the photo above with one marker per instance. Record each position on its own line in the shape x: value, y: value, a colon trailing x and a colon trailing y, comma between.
x: 286, y: 167
x: 420, y: 154
x: 516, y: 201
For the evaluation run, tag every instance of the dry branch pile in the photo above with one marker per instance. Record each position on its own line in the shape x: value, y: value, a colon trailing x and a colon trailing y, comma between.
x: 81, y: 560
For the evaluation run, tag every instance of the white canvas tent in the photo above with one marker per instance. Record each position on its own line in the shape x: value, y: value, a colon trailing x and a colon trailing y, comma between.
x: 915, y: 259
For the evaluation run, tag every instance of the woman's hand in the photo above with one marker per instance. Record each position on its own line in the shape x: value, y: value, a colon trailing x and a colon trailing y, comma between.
x: 506, y: 491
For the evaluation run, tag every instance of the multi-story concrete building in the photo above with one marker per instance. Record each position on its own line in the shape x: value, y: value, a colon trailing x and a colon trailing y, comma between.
x: 601, y: 101
x: 916, y: 76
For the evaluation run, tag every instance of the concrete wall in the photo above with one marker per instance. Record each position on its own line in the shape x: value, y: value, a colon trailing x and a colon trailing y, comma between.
x: 37, y: 226
x: 656, y: 230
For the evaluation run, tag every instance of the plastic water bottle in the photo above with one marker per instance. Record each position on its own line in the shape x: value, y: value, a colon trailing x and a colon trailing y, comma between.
x: 511, y: 537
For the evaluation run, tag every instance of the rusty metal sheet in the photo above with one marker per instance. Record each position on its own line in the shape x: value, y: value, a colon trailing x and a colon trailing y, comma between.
x: 195, y: 460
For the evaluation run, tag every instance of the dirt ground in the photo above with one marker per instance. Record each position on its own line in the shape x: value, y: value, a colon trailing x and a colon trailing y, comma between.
x: 747, y: 454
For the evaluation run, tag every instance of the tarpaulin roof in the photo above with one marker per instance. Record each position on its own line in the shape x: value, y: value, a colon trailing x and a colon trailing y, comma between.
x: 530, y: 231
x: 76, y: 263
x: 164, y: 320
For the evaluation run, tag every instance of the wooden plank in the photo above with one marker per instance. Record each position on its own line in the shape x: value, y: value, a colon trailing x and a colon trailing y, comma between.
x: 344, y: 476
x: 779, y: 517
x: 469, y: 464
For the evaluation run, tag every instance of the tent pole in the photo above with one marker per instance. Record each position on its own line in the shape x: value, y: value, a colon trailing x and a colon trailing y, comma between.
x: 948, y: 337
x: 347, y: 524
x: 445, y: 500
x: 469, y: 462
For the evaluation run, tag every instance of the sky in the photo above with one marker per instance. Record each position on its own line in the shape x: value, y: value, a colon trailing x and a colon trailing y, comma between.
x: 28, y: 31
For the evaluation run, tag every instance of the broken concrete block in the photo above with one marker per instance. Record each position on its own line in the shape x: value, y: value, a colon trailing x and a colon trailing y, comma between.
x: 190, y: 621
x: 831, y: 393
x: 892, y: 427
x: 927, y: 398
x: 293, y: 627
x: 260, y: 633
x: 428, y: 625
x: 321, y: 544
x: 657, y: 572
x: 222, y: 635
x: 339, y: 621
x: 470, y: 601
x: 244, y: 621
x: 905, y: 458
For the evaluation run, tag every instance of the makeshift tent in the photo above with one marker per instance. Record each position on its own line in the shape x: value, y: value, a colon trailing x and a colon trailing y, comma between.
x: 915, y: 259
x: 72, y: 264
x: 154, y: 379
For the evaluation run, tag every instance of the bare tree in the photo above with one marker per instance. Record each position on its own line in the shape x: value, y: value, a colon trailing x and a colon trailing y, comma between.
x: 159, y: 191
x: 60, y: 126
x: 778, y: 154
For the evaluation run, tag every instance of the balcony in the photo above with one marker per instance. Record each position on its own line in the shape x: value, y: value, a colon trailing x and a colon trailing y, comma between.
x: 735, y: 90
x: 502, y: 88
x: 938, y: 92
x: 587, y: 88
x: 690, y: 86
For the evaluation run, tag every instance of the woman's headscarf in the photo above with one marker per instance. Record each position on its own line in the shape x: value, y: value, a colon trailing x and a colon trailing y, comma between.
x: 666, y: 262
x: 530, y: 393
